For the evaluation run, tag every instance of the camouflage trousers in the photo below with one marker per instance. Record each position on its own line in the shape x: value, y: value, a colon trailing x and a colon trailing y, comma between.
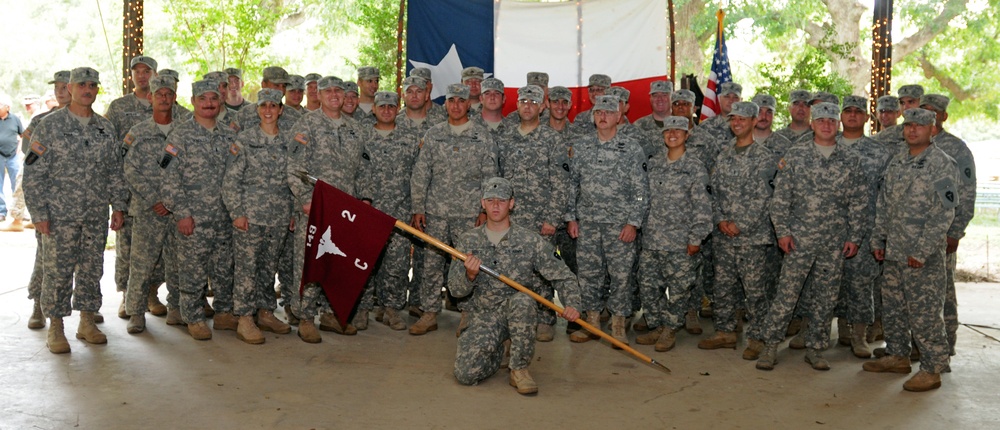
x: 206, y: 256
x: 436, y: 262
x: 310, y: 300
x: 600, y: 255
x: 824, y: 267
x: 912, y: 301
x: 566, y: 246
x: 18, y: 210
x: 705, y: 286
x: 740, y: 282
x: 390, y: 280
x: 72, y: 267
x: 951, y: 302
x: 255, y: 255
x: 153, y: 255
x: 856, y: 303
x: 480, y: 347
x: 123, y: 254
x: 35, y: 282
x: 287, y: 282
x: 666, y: 280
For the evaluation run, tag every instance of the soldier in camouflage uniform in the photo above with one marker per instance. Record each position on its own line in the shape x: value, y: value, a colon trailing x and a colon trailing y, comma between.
x: 144, y: 149
x: 435, y: 112
x: 798, y: 108
x: 682, y: 104
x: 741, y: 188
x: 909, y: 98
x: 818, y: 211
x: 659, y: 101
x: 455, y: 158
x: 200, y: 151
x: 560, y: 102
x: 234, y: 100
x: 680, y: 217
x: 762, y: 130
x: 295, y: 92
x: 351, y: 101
x: 709, y: 137
x: 328, y: 146
x: 71, y: 176
x: 887, y: 111
x: 647, y: 141
x: 312, y: 91
x: 531, y: 158
x: 274, y: 78
x: 368, y: 80
x: 916, y: 210
x: 388, y: 163
x: 490, y: 114
x: 499, y: 312
x: 597, y: 85
x: 473, y: 77
x: 955, y: 148
x: 607, y: 202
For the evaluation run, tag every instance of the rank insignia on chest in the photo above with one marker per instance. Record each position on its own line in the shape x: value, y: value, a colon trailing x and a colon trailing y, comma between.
x: 571, y: 152
x: 454, y: 149
x: 234, y: 149
x: 129, y: 139
x: 781, y: 164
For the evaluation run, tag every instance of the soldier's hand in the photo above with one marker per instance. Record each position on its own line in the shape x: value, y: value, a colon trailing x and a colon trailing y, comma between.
x: 480, y: 219
x: 912, y: 262
x: 160, y: 209
x: 42, y: 227
x: 628, y: 233
x: 186, y: 226
x: 291, y: 224
x: 573, y: 229
x: 241, y: 223
x: 693, y: 249
x: 952, y: 246
x: 570, y: 314
x: 850, y: 249
x: 879, y: 254
x: 548, y: 229
x: 787, y: 244
x: 306, y: 207
x: 419, y: 222
x: 117, y: 219
x: 472, y: 264
x: 729, y: 228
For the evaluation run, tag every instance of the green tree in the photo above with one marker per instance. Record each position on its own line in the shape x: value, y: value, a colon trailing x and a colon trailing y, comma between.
x: 811, y: 72
x: 378, y: 21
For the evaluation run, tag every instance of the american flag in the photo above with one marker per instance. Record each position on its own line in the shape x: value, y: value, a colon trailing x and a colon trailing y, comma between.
x: 719, y: 75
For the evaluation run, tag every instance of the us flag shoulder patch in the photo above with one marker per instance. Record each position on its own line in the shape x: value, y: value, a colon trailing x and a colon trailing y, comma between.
x: 301, y: 138
x: 172, y: 150
x: 38, y: 148
x: 129, y: 139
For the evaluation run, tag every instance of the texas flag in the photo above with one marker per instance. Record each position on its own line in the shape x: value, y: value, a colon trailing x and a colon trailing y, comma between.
x: 624, y: 39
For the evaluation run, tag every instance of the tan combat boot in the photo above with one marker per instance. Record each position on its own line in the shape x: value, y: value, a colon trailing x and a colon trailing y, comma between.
x: 618, y: 329
x: 156, y: 307
x: 875, y: 331
x: 582, y: 335
x: 462, y: 323
x: 521, y: 379
x: 15, y: 226
x: 292, y: 319
x: 136, y: 324
x: 799, y: 341
x: 360, y: 320
x: 393, y: 319
x: 56, y: 340
x: 691, y: 322
x: 721, y: 339
x: 794, y: 327
x: 922, y: 381
x: 754, y: 348
x: 37, y: 320
x: 248, y: 332
x: 88, y: 331
x: 174, y: 316
x: 98, y: 317
x: 889, y: 363
x: 225, y: 321
x: 641, y: 325
x: 379, y: 313
x: 544, y: 333
x: 200, y: 330
x: 426, y: 323
x: 768, y: 357
x: 650, y: 337
x: 329, y: 322
x: 666, y: 341
x: 266, y: 321
x: 121, y: 309
x: 308, y: 333
x: 859, y: 345
x: 816, y: 360
x: 843, y: 332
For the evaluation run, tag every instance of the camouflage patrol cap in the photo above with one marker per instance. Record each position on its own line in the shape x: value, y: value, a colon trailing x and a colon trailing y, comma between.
x: 142, y: 59
x: 351, y: 87
x: 540, y: 79
x: 313, y: 77
x: 422, y: 72
x: 383, y: 98
x: 472, y: 73
x: 414, y: 81
x: 329, y: 82
x: 204, y: 86
x: 887, y: 104
x: 765, y: 101
x: 275, y: 74
x: 825, y: 97
x: 825, y: 110
x: 683, y: 96
x: 497, y: 188
x: 622, y: 94
x: 491, y: 84
x: 60, y: 76
x: 296, y: 82
x: 170, y: 73
x: 232, y: 71
x: 458, y: 91
x: 534, y: 93
x: 163, y: 82
x: 745, y: 109
x: 919, y: 116
x: 856, y: 102
x: 937, y: 102
x: 218, y: 77
x: 799, y: 96
x: 598, y: 80
x: 675, y: 123
x: 560, y: 93
x: 607, y: 103
x: 269, y: 95
x: 913, y: 91
x: 84, y: 74
x: 661, y: 87
x: 731, y: 88
x: 368, y: 72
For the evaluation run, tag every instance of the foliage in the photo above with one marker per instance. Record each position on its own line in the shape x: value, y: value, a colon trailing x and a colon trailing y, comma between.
x: 810, y: 72
x: 378, y: 21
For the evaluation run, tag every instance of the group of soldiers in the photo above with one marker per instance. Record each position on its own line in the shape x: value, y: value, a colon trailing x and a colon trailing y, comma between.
x: 779, y: 230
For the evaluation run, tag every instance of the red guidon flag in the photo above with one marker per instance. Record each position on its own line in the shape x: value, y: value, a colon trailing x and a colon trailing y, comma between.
x: 344, y: 239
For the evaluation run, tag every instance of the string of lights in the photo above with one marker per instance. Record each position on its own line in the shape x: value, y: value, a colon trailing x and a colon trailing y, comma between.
x: 881, y: 83
x: 132, y: 44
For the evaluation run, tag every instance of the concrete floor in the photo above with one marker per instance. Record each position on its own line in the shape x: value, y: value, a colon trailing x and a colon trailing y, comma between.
x: 381, y: 379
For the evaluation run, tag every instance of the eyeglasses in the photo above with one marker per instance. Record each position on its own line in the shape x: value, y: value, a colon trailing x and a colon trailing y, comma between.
x: 527, y: 102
